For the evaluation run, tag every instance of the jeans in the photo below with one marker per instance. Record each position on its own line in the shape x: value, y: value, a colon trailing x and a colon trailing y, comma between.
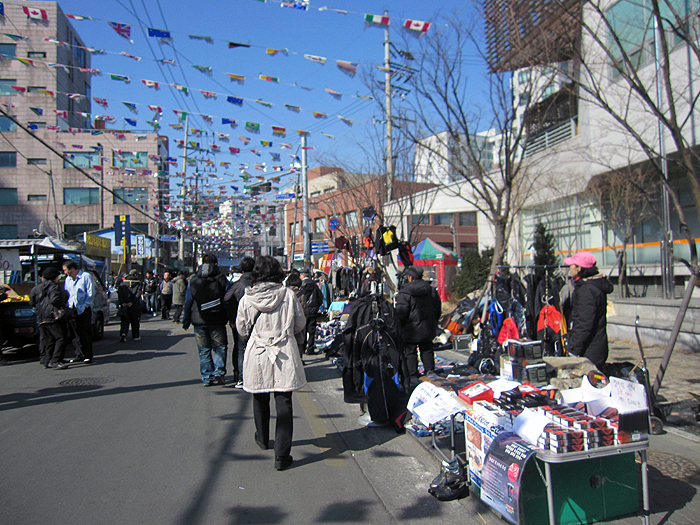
x: 212, y: 344
x: 151, y: 304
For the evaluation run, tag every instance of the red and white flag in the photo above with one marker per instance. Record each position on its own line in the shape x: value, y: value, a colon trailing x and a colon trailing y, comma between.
x: 417, y: 25
x: 35, y: 14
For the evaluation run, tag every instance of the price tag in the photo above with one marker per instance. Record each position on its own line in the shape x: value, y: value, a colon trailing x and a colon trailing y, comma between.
x: 628, y: 396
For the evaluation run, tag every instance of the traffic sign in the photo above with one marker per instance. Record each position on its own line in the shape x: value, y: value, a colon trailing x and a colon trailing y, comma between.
x: 168, y: 238
x: 334, y: 223
x: 319, y: 247
x: 286, y: 195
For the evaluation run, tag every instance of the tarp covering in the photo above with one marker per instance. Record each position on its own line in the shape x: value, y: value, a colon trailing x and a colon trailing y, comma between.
x: 429, y: 250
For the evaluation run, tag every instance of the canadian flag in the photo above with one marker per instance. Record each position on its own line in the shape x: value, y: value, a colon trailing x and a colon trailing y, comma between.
x: 417, y: 25
x: 36, y: 14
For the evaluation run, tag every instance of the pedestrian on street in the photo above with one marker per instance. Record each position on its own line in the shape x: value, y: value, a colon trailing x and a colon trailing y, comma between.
x: 294, y: 284
x: 81, y: 293
x: 179, y: 291
x: 150, y: 291
x: 270, y: 315
x: 238, y: 289
x: 588, y: 335
x: 3, y: 295
x: 418, y: 310
x: 166, y: 295
x: 49, y: 298
x: 129, y: 294
x: 205, y: 309
x: 311, y: 301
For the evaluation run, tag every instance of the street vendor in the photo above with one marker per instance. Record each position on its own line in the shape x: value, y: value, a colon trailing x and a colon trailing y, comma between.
x: 588, y: 333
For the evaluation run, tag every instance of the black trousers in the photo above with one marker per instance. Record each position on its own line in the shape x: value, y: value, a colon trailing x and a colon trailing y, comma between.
x: 52, y: 342
x: 177, y: 316
x: 285, y: 420
x: 166, y: 302
x: 83, y: 326
x: 310, y: 345
x: 132, y: 318
x: 427, y: 355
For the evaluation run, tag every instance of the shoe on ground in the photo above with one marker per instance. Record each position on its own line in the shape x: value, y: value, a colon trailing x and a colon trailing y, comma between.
x: 220, y: 380
x: 264, y: 445
x: 238, y: 384
x: 137, y: 338
x: 87, y: 361
x: 283, y: 462
x: 76, y: 360
x: 122, y: 339
x: 58, y: 365
x: 209, y: 383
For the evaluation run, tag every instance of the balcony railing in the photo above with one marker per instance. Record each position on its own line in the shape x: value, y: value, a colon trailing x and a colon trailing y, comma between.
x: 553, y: 136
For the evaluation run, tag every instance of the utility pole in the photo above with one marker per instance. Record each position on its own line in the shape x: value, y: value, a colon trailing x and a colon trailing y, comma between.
x: 387, y: 94
x: 183, y: 193
x: 102, y: 186
x: 305, y: 203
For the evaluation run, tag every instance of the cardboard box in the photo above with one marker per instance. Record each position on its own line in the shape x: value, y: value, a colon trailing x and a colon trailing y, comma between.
x: 525, y: 351
x: 462, y: 343
x: 478, y: 437
x: 477, y: 392
x: 535, y: 374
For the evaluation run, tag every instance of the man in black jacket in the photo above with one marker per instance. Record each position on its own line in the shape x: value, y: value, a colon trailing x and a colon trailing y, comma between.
x: 238, y: 291
x: 418, y: 310
x: 312, y: 299
x: 205, y: 309
x: 48, y: 298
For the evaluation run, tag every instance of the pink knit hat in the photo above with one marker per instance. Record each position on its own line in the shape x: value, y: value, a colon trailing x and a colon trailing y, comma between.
x: 582, y: 259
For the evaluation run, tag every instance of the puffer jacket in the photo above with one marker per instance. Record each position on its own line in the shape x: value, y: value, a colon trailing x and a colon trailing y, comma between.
x: 179, y: 290
x: 57, y: 298
x: 212, y: 288
x: 270, y: 314
x: 418, y: 309
x: 588, y: 335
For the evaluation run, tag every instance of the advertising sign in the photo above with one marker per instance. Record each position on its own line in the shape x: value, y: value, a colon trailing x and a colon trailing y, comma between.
x: 122, y: 230
x: 140, y: 246
x: 97, y: 246
x: 9, y: 261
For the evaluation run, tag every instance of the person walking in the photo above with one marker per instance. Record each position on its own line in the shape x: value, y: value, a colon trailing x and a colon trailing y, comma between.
x: 166, y: 295
x: 179, y: 291
x: 588, y: 335
x: 418, y: 310
x: 129, y: 294
x: 270, y: 315
x: 150, y: 291
x: 81, y: 293
x: 238, y: 289
x: 50, y: 298
x: 294, y: 284
x: 205, y: 309
x: 312, y: 299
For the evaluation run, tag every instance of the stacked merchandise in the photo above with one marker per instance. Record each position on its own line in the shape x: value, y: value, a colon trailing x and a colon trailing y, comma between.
x: 523, y: 362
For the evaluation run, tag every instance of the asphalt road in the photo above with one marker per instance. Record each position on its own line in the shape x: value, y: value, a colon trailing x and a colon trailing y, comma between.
x: 136, y: 438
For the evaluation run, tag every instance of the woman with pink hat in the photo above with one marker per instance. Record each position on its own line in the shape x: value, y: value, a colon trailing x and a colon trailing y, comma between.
x: 588, y: 334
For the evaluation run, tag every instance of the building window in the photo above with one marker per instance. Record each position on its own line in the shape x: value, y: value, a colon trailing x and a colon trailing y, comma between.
x: 35, y: 198
x: 294, y: 229
x: 130, y: 159
x: 8, y: 159
x: 130, y: 195
x: 5, y: 86
x: 8, y: 196
x: 419, y: 219
x: 351, y: 219
x: 7, y: 124
x: 81, y: 196
x: 82, y: 160
x: 36, y: 54
x: 523, y: 76
x: 8, y: 231
x: 467, y: 247
x: 8, y: 51
x: 35, y: 89
x: 442, y: 218
x: 549, y: 90
x: 315, y: 193
x: 467, y: 218
x: 140, y: 228
x: 72, y: 231
x: 320, y: 225
x: 79, y: 53
x: 36, y: 162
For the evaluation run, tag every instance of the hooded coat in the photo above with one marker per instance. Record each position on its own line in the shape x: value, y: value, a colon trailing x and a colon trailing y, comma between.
x: 418, y: 310
x: 57, y: 299
x: 270, y: 314
x: 588, y: 334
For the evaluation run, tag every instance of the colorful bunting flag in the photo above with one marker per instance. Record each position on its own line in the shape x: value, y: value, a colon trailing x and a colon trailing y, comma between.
x: 231, y: 45
x: 204, y: 69
x: 275, y: 156
x: 296, y: 109
x: 308, y: 147
x: 120, y: 78
x: 89, y: 71
x: 131, y: 106
x: 123, y: 30
x: 236, y: 78
x: 25, y: 61
x: 314, y: 58
x: 167, y: 61
x: 303, y: 133
x: 62, y: 66
x: 47, y: 92
x: 78, y: 17
x: 184, y: 89
x: 417, y: 25
x: 207, y: 39
x: 302, y: 5
x: 207, y: 118
x: 157, y: 109
x: 285, y: 146
x: 334, y: 94
x: 263, y: 103
x: 244, y: 140
x: 158, y: 33
x: 276, y: 130
x: 346, y: 120
x: 35, y: 14
x: 215, y: 148
x: 377, y: 20
x: 37, y: 111
x: 349, y: 68
x: 266, y: 143
x: 208, y: 94
x: 269, y: 79
x: 151, y: 84
x: 234, y: 151
x: 235, y: 100
x: 131, y: 121
x: 318, y: 114
x: 303, y: 87
x: 223, y: 137
x: 63, y: 114
x: 255, y: 152
x: 180, y: 114
x: 124, y: 53
x: 100, y: 101
x: 230, y: 121
x: 178, y: 127
x: 19, y: 89
x: 16, y: 38
x: 253, y: 127
x: 273, y: 52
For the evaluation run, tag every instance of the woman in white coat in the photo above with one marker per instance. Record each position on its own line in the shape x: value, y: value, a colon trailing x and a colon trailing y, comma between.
x: 270, y: 314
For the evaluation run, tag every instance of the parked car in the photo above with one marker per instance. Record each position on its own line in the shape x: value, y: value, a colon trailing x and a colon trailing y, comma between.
x: 19, y: 323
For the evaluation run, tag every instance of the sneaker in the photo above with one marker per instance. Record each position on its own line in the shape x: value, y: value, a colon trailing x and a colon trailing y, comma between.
x: 239, y: 384
x: 122, y: 339
x: 220, y: 380
x: 76, y: 360
x: 137, y: 338
x: 209, y: 383
x: 87, y: 361
x: 58, y: 365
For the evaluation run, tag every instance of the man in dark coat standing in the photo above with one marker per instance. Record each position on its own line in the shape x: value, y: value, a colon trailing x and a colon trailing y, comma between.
x: 311, y: 301
x: 48, y: 298
x: 418, y: 310
x: 238, y: 291
x: 205, y: 309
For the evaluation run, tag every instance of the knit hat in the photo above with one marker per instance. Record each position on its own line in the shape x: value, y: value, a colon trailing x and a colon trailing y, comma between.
x: 50, y: 273
x: 582, y: 259
x: 415, y: 272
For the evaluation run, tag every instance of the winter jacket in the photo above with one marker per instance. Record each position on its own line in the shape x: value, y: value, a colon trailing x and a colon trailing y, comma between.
x: 150, y: 285
x: 312, y: 298
x: 124, y: 294
x: 246, y: 281
x: 588, y: 336
x: 269, y: 315
x: 418, y: 309
x: 204, y: 300
x: 166, y: 287
x: 179, y: 290
x: 56, y: 296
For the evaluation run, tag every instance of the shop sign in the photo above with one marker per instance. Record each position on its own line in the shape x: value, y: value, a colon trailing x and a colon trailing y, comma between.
x: 9, y: 261
x: 97, y: 246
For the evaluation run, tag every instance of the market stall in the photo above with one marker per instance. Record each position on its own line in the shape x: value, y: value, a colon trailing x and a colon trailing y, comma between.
x: 438, y: 263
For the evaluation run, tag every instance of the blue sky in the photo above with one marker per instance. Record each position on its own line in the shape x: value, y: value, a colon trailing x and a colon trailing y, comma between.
x: 326, y: 33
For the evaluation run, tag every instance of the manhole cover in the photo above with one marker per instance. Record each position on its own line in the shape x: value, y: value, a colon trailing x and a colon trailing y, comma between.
x: 87, y: 381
